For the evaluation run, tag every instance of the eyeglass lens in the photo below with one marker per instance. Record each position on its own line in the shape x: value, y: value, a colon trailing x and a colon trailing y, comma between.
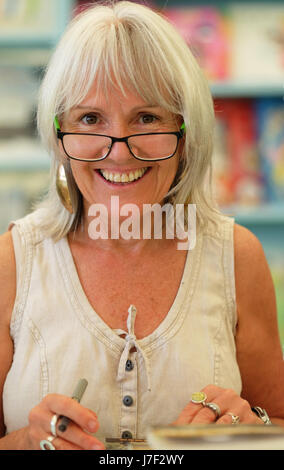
x: 95, y: 147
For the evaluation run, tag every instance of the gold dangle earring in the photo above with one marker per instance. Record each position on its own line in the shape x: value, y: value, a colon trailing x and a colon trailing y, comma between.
x: 62, y: 189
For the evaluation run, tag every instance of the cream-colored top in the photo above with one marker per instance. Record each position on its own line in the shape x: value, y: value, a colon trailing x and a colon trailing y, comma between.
x: 59, y: 338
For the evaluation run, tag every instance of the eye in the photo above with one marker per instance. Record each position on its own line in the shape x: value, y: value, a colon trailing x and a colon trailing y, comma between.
x: 90, y: 119
x: 148, y: 118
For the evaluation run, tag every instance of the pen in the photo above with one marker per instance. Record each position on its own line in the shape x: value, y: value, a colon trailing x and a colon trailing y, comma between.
x: 76, y: 395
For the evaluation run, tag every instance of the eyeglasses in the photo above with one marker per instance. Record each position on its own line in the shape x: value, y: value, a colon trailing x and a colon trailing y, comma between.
x: 152, y: 146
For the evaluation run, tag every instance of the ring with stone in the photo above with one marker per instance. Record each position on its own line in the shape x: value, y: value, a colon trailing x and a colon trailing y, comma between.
x: 46, y: 444
x: 199, y: 398
x: 215, y: 408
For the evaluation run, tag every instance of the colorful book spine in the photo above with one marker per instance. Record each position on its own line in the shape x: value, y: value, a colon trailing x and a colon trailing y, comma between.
x: 270, y: 127
x: 238, y: 144
x: 207, y: 33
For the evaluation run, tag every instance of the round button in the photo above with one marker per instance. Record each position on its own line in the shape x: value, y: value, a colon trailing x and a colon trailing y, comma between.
x: 127, y: 400
x: 126, y: 435
x: 129, y: 365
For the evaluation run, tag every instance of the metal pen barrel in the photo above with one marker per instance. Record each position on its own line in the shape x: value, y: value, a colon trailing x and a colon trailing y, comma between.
x: 80, y: 390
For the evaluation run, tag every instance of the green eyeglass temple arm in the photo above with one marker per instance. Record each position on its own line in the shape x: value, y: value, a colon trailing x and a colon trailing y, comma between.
x: 57, y: 125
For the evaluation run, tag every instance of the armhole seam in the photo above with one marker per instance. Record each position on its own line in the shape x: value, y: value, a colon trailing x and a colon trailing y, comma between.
x: 23, y: 257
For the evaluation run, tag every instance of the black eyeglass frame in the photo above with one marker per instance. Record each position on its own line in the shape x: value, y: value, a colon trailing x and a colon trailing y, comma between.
x: 179, y: 134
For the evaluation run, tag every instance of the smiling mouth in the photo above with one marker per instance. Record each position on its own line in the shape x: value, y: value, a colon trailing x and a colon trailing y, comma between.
x: 123, y: 178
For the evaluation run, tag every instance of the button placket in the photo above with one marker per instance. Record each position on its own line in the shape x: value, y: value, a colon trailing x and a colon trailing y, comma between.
x: 128, y: 423
x: 127, y: 376
x: 131, y: 344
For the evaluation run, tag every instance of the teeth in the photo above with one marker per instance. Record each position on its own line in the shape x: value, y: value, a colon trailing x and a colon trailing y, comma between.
x: 123, y: 177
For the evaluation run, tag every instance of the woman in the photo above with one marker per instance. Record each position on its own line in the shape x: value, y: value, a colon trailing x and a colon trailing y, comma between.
x: 206, y: 317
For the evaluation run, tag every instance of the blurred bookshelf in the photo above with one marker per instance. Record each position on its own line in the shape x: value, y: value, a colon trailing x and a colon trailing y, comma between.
x: 233, y: 89
x: 33, y: 24
x: 240, y: 46
x: 29, y: 31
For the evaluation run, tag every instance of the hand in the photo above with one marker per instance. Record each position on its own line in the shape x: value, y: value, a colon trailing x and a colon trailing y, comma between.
x: 228, y: 402
x: 76, y: 437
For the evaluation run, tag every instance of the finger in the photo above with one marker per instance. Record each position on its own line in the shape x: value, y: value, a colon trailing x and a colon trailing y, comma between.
x: 58, y: 405
x: 187, y: 414
x: 77, y: 436
x: 40, y: 418
x: 205, y: 415
x: 73, y: 438
x: 192, y: 410
x: 248, y: 418
x: 66, y: 406
x: 228, y: 401
x: 227, y: 418
x: 60, y: 444
x: 197, y: 413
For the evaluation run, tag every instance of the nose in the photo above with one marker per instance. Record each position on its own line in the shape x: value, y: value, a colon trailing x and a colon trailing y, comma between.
x: 120, y: 152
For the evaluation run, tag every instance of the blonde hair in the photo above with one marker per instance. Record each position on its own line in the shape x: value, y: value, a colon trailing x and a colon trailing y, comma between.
x: 137, y: 46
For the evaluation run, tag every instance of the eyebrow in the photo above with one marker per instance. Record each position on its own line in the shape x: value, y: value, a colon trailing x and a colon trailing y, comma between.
x: 101, y: 109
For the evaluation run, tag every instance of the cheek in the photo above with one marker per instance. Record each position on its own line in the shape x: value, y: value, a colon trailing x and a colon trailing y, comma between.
x: 171, y: 171
x: 81, y: 173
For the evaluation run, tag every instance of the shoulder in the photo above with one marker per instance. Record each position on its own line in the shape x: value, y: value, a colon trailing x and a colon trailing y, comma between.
x: 7, y: 276
x: 252, y: 272
x: 253, y: 280
x: 246, y: 243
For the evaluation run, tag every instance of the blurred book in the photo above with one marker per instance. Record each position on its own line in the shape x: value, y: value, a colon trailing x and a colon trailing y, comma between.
x: 212, y: 437
x: 207, y: 33
x: 18, y: 97
x: 242, y: 42
x: 258, y: 42
x: 236, y: 169
x: 270, y: 126
x: 18, y: 192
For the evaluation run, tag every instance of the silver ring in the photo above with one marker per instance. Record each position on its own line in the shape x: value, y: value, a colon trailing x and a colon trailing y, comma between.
x: 53, y: 423
x: 235, y: 418
x: 46, y: 444
x: 262, y: 414
x: 215, y: 408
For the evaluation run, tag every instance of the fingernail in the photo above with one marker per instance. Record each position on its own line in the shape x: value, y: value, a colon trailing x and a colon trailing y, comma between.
x: 92, y: 425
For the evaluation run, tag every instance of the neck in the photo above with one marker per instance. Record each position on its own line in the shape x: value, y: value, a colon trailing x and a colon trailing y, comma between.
x: 120, y: 239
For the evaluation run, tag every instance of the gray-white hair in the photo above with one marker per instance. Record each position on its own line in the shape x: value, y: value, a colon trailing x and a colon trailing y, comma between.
x: 137, y: 46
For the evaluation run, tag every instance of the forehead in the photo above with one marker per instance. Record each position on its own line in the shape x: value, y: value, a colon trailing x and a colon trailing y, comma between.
x: 114, y: 96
